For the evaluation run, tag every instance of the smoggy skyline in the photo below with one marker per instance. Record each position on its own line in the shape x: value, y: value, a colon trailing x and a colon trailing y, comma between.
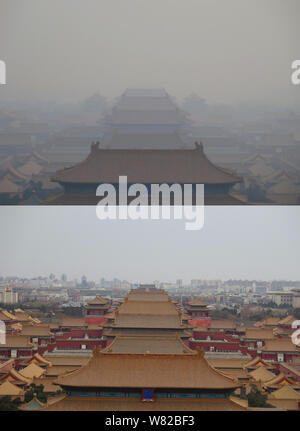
x: 256, y: 242
x: 227, y: 52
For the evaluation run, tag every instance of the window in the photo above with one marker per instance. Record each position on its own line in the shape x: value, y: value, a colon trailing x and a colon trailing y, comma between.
x: 13, y: 353
x: 280, y: 357
x: 83, y: 346
x: 148, y: 395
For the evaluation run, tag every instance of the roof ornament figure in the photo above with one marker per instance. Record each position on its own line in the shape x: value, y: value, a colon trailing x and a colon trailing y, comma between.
x: 199, y: 145
x: 200, y: 351
x: 97, y: 352
x: 95, y: 146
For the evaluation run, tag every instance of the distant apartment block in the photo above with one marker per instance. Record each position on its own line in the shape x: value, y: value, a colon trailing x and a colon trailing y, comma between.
x: 291, y: 298
x: 8, y: 296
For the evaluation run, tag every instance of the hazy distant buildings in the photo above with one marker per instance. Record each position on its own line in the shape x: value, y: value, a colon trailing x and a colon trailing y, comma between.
x: 8, y: 295
x: 289, y: 299
x: 146, y: 111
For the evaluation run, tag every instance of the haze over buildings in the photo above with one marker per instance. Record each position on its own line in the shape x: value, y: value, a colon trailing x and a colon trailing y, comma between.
x: 65, y: 51
x: 236, y: 242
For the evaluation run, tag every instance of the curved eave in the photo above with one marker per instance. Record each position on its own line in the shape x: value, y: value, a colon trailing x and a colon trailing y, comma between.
x: 225, y: 388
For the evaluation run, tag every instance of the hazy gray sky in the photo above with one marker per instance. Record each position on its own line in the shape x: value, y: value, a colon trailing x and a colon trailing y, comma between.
x: 236, y: 242
x: 225, y: 50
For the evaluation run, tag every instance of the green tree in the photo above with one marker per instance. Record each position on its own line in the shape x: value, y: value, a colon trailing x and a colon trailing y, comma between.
x: 74, y: 311
x: 7, y: 404
x: 296, y: 313
x: 36, y: 391
x: 225, y: 313
x: 257, y: 399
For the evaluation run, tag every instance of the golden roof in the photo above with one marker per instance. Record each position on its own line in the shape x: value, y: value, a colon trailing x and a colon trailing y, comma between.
x: 279, y: 345
x: 22, y: 316
x: 230, y: 363
x: 239, y: 401
x: 281, y: 379
x: 5, y: 315
x: 7, y: 186
x: 222, y: 324
x: 235, y: 372
x: 40, y: 359
x: 17, y: 341
x: 139, y: 321
x: 287, y: 320
x: 32, y: 370
x: 256, y: 362
x: 258, y: 334
x: 261, y: 374
x: 159, y: 166
x: 5, y: 364
x: 148, y: 370
x: 138, y: 313
x: 73, y: 361
x: 132, y: 404
x: 16, y: 376
x: 16, y: 327
x: 271, y: 321
x: 164, y: 308
x: 146, y: 344
x: 56, y: 371
x: 286, y: 392
x: 36, y: 330
x: 98, y: 300
x: 7, y: 388
x: 197, y: 302
x: 30, y: 168
x: 147, y: 295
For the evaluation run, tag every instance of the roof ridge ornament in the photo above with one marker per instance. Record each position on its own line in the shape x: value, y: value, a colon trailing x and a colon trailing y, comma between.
x: 97, y: 352
x: 95, y: 146
x: 200, y: 351
x: 199, y: 146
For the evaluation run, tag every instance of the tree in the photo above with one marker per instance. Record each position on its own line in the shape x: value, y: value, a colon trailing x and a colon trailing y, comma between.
x: 74, y: 311
x: 256, y: 398
x: 256, y: 193
x: 34, y: 187
x: 225, y: 313
x: 36, y: 391
x: 7, y: 404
